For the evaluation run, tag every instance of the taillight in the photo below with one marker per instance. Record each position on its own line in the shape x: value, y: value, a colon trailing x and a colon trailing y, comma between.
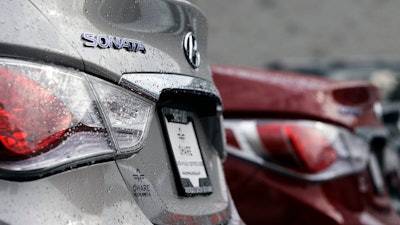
x: 305, y: 149
x: 53, y: 117
x: 231, y: 139
x: 31, y: 118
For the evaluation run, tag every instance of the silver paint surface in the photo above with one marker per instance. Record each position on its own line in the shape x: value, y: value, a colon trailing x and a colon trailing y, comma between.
x: 50, y: 32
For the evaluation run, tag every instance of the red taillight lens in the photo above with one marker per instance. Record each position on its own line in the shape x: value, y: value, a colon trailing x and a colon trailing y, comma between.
x: 231, y: 139
x: 305, y: 149
x: 312, y: 147
x: 297, y: 146
x: 31, y: 118
x: 53, y: 117
x: 272, y: 139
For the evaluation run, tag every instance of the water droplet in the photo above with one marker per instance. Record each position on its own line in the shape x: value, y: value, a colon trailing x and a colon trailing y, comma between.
x: 109, y: 189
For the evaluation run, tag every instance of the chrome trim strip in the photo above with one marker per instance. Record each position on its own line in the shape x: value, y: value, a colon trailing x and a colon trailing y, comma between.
x: 150, y: 85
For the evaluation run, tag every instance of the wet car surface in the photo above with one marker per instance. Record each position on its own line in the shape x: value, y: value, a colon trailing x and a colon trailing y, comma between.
x: 109, y: 115
x: 384, y: 74
x: 303, y: 149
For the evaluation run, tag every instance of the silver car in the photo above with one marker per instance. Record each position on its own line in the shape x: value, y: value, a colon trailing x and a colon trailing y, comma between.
x: 108, y: 115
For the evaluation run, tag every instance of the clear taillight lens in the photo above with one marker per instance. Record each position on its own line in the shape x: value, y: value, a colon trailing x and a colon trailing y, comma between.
x: 52, y: 117
x: 306, y: 149
x: 126, y: 114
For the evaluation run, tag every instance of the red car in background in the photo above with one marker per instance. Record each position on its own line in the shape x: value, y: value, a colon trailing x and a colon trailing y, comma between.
x: 303, y: 149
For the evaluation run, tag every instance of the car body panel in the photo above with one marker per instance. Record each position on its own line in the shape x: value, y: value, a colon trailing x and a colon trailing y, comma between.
x: 160, y: 25
x: 89, y: 195
x: 255, y: 191
x: 162, y: 201
x: 138, y: 187
x: 314, y: 96
x: 261, y: 193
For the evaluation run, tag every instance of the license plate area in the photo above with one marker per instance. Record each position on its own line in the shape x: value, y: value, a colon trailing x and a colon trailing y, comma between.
x: 185, y: 154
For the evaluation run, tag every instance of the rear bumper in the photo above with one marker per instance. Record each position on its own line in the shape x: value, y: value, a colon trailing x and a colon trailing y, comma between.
x: 262, y: 196
x: 90, y: 195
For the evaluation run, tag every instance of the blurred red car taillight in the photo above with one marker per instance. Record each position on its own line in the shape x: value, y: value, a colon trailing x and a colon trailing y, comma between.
x: 305, y: 146
x: 305, y: 149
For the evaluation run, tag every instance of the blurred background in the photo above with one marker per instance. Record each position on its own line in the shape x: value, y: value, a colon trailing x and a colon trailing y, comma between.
x: 260, y: 32
x: 339, y: 39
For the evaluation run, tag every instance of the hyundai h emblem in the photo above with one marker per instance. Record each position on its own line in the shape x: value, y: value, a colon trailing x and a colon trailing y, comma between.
x: 191, y: 50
